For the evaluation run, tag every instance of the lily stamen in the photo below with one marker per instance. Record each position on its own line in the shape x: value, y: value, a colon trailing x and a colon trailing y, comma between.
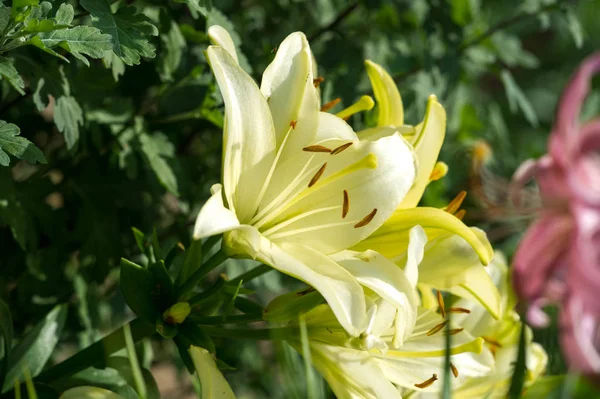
x: 327, y: 106
x: 441, y: 305
x: 460, y: 214
x: 458, y: 310
x: 293, y: 124
x: 341, y: 148
x: 317, y: 175
x: 317, y: 81
x: 365, y: 103
x: 455, y: 331
x: 439, y: 170
x: 366, y: 220
x: 346, y: 205
x: 437, y: 328
x: 428, y: 382
x: 454, y: 370
x: 316, y: 148
x: 456, y: 202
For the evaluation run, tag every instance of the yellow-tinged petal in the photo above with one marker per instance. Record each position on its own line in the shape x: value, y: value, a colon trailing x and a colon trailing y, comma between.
x: 427, y: 144
x: 365, y: 103
x: 287, y: 83
x: 214, y: 385
x: 391, y: 239
x: 249, y: 136
x: 389, y: 101
x: 89, y: 392
x: 220, y: 37
x: 214, y: 218
x: 375, y: 133
x: 340, y: 289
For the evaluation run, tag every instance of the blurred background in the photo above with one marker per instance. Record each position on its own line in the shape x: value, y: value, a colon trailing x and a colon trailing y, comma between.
x: 148, y: 144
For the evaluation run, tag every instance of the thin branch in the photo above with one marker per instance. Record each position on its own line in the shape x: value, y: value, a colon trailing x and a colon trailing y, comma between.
x: 491, y: 31
x: 338, y: 20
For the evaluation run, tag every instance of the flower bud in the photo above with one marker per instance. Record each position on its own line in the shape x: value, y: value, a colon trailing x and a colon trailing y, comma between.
x: 177, y: 313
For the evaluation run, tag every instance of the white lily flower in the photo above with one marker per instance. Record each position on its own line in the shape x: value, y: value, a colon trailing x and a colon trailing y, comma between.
x: 298, y: 185
x: 214, y: 385
x: 502, y: 341
x: 455, y: 254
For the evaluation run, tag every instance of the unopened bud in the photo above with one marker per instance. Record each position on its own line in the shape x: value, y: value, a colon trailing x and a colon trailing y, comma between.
x: 177, y: 313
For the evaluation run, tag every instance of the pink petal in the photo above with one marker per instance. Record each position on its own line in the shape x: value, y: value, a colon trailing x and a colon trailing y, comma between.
x: 579, y: 336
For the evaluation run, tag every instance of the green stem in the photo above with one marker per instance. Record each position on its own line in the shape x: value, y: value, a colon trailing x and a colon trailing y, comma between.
x: 264, y: 334
x: 219, y: 320
x: 251, y: 274
x: 97, y: 353
x: 208, y: 266
x: 216, y: 287
x: 138, y: 379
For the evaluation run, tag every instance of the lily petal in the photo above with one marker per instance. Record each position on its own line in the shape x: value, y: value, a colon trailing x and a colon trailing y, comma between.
x: 287, y: 83
x: 214, y: 218
x: 391, y: 239
x: 214, y: 385
x: 220, y: 37
x: 427, y: 144
x: 339, y: 288
x: 249, y: 136
x: 377, y: 273
x: 89, y: 392
x: 375, y: 176
x: 391, y: 111
x: 375, y: 133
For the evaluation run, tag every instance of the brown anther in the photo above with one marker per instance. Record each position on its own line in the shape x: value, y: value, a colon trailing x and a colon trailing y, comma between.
x: 317, y: 81
x: 460, y: 214
x: 440, y: 300
x: 316, y: 148
x: 306, y: 291
x: 455, y: 331
x: 181, y: 246
x: 454, y: 370
x: 293, y: 124
x: 367, y: 219
x: 317, y: 175
x: 428, y: 382
x: 346, y: 117
x: 341, y: 148
x: 458, y: 310
x: 327, y: 106
x: 456, y: 202
x: 492, y: 342
x: 346, y: 205
x: 274, y: 50
x: 437, y: 328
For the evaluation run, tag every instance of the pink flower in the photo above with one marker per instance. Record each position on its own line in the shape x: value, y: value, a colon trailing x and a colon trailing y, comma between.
x: 558, y: 260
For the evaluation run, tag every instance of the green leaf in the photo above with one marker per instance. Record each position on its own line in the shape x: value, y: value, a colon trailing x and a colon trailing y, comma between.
x: 107, y: 378
x: 157, y: 149
x: 140, y: 239
x: 122, y: 365
x: 68, y: 115
x: 79, y: 41
x: 201, y: 6
x: 17, y: 146
x: 19, y: 5
x: 173, y: 46
x: 4, y: 17
x: 519, y: 373
x: 37, y: 42
x: 35, y: 348
x: 14, y: 214
x: 574, y: 27
x: 6, y: 333
x: 129, y: 30
x: 138, y: 286
x: 192, y: 262
x: 64, y: 14
x: 164, y: 294
x: 517, y: 99
x: 117, y: 66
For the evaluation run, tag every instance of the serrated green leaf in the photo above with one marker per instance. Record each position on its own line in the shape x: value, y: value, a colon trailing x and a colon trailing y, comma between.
x: 34, y: 350
x: 37, y: 42
x: 517, y: 99
x: 6, y: 332
x: 157, y: 148
x: 68, y: 116
x: 173, y: 46
x: 17, y: 146
x: 64, y: 14
x: 129, y: 30
x: 117, y: 66
x: 41, y: 11
x: 4, y: 17
x: 10, y: 73
x: 35, y: 25
x: 79, y: 40
x: 201, y: 6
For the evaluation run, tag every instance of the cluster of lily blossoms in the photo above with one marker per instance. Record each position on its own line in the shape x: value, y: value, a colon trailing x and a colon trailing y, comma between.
x: 337, y: 209
x: 558, y: 260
